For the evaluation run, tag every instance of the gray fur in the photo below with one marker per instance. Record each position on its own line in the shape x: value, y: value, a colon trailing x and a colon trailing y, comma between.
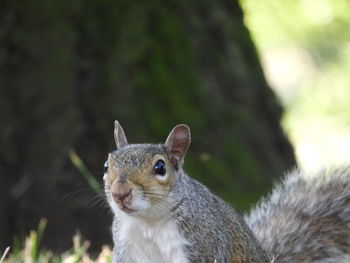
x: 306, y: 219
x: 213, y: 230
x: 133, y: 156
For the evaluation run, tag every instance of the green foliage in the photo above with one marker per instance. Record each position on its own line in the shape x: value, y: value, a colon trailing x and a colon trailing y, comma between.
x: 308, y: 41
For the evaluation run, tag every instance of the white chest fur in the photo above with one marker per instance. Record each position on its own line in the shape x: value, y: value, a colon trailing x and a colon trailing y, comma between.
x: 141, y: 242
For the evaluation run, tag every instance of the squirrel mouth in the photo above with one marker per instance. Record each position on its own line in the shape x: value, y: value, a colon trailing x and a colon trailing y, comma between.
x: 127, y: 209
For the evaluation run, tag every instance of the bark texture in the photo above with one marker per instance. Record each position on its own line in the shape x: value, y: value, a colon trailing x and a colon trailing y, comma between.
x: 68, y: 69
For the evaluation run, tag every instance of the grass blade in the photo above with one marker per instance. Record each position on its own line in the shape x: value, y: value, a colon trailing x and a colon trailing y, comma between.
x: 79, y: 164
x: 4, y: 255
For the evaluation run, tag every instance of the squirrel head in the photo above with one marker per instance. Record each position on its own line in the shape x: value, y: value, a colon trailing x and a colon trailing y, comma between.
x: 140, y: 178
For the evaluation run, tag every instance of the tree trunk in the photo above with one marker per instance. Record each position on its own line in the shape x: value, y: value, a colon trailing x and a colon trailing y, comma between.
x: 69, y: 69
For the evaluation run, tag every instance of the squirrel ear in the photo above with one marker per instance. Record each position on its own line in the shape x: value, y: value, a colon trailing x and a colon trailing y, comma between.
x: 119, y: 135
x: 177, y: 143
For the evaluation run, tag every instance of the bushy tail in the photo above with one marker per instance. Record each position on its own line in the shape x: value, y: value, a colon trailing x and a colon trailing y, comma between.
x: 306, y: 218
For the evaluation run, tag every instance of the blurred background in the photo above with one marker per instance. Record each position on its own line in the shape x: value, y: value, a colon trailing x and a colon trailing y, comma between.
x: 304, y: 48
x: 251, y: 78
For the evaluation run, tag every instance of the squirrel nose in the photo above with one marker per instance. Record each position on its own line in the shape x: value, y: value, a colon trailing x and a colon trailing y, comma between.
x: 122, y: 192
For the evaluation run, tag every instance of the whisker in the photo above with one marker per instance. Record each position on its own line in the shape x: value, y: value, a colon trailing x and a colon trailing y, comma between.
x: 160, y: 202
x: 70, y: 195
x: 99, y: 201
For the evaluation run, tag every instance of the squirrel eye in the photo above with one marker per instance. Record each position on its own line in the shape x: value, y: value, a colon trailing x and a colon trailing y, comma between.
x: 159, y: 168
x: 105, y: 167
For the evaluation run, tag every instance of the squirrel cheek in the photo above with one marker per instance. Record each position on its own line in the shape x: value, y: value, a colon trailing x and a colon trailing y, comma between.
x: 107, y: 180
x: 162, y: 179
x: 165, y: 182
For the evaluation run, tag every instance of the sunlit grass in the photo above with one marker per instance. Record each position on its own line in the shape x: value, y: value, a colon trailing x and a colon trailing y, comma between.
x: 30, y: 251
x: 5, y: 254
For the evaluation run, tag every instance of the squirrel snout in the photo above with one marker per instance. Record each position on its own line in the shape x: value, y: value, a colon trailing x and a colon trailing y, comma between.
x: 122, y: 193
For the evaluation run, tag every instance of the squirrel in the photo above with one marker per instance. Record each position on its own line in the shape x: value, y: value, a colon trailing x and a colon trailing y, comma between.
x: 306, y: 218
x: 161, y: 215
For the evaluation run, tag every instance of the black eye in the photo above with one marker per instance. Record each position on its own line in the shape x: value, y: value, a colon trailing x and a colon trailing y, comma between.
x: 105, y: 167
x: 159, y: 168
